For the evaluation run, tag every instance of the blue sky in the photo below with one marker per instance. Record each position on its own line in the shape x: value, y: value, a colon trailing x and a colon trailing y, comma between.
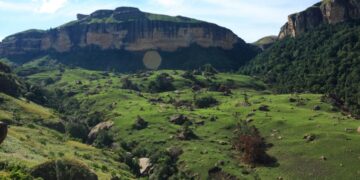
x: 249, y: 19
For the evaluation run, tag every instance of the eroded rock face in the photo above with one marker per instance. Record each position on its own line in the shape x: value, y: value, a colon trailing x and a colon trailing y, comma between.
x: 104, y: 126
x: 124, y: 28
x: 328, y: 11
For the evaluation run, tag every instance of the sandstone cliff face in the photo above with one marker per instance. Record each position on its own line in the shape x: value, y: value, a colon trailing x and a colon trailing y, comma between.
x: 123, y: 28
x: 327, y: 11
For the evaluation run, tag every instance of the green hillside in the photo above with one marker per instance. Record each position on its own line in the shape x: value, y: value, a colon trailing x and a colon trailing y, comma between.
x: 332, y: 153
x: 30, y: 143
x: 325, y: 60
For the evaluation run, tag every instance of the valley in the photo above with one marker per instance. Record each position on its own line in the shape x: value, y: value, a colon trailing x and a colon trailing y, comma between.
x: 125, y: 94
x: 290, y: 118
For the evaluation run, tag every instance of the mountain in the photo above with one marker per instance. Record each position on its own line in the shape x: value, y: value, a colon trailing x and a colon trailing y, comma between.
x: 266, y: 42
x: 325, y: 12
x: 324, y: 59
x: 119, y: 39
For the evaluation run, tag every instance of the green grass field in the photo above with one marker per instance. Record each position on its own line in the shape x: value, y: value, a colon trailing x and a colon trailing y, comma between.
x: 284, y: 125
x: 28, y: 144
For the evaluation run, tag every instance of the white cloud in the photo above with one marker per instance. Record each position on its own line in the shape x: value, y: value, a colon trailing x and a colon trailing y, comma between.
x: 13, y: 6
x: 169, y: 3
x: 35, y: 6
x: 51, y: 6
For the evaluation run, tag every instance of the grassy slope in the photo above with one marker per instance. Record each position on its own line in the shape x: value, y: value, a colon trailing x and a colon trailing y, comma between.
x: 297, y: 159
x: 30, y: 145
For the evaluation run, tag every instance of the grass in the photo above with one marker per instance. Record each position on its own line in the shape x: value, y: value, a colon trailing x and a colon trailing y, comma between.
x: 30, y: 145
x: 284, y: 125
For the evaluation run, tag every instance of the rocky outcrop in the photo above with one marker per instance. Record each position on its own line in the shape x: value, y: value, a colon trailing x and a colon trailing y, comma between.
x: 104, y: 126
x: 124, y: 28
x: 325, y: 12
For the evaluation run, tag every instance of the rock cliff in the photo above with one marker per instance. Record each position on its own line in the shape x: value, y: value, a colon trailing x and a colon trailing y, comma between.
x: 123, y: 28
x: 325, y: 12
x: 118, y: 39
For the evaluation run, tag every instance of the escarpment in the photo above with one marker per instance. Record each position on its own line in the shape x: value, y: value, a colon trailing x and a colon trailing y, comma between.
x: 124, y: 28
x: 119, y: 38
x: 325, y: 12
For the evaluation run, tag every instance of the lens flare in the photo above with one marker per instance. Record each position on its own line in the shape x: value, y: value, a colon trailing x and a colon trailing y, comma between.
x: 152, y: 60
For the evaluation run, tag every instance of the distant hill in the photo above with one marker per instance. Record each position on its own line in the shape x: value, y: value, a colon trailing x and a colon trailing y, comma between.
x: 266, y: 42
x: 118, y: 39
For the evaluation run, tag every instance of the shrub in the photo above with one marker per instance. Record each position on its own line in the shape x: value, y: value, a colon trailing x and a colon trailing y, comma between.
x: 104, y: 139
x: 162, y: 83
x: 206, y: 102
x: 77, y: 130
x: 128, y: 84
x: 249, y: 142
x: 63, y: 169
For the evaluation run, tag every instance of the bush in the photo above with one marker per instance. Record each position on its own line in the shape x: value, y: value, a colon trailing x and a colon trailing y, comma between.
x: 128, y: 84
x: 77, y: 130
x: 104, y: 139
x: 249, y: 142
x: 206, y: 102
x: 63, y: 169
x: 162, y: 83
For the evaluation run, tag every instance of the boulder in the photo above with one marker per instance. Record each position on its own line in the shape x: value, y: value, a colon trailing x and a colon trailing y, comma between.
x: 140, y: 123
x: 309, y: 137
x: 358, y: 129
x: 3, y: 131
x: 103, y: 126
x: 63, y: 169
x: 264, y: 108
x: 317, y: 108
x: 145, y: 166
x: 175, y: 152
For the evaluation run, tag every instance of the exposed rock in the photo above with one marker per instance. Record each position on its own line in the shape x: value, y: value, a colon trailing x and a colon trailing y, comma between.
x: 132, y: 33
x: 63, y: 170
x: 140, y: 123
x: 175, y: 152
x: 3, y: 131
x: 264, y: 108
x: 104, y: 126
x: 178, y: 119
x: 326, y: 12
x: 309, y: 137
x: 186, y: 134
x: 145, y: 166
x: 317, y: 108
x: 358, y: 130
x: 81, y: 16
x: 122, y: 33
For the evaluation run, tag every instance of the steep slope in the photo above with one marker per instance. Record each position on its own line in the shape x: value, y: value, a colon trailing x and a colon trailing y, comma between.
x: 324, y: 60
x: 289, y: 118
x: 119, y: 39
x: 9, y: 83
x: 29, y: 143
x: 325, y: 12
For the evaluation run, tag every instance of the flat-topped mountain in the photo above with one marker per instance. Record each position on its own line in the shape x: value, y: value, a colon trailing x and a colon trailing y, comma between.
x: 325, y: 12
x: 131, y: 30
